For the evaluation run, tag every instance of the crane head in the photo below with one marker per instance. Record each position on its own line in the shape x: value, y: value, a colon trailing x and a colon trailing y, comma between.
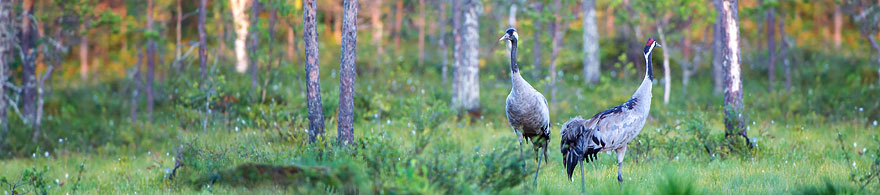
x: 510, y: 35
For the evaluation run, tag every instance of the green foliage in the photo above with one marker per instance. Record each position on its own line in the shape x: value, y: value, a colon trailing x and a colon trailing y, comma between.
x: 31, y: 181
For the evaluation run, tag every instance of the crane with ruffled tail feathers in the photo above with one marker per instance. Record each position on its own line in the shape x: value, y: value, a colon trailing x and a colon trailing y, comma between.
x: 612, y: 129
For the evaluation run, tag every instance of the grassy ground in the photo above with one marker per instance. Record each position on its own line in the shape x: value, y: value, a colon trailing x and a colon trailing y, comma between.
x: 820, y: 137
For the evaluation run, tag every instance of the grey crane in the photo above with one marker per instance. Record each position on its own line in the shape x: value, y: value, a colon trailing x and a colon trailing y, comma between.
x: 608, y: 130
x: 526, y: 108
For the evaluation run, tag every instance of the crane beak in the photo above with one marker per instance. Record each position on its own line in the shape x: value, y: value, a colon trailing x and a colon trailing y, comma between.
x: 505, y: 37
x: 658, y: 45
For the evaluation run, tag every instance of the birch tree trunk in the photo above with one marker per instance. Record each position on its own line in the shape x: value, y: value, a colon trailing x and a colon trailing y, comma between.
x: 466, y: 84
x: 398, y: 23
x: 253, y: 46
x: 241, y: 23
x: 771, y: 47
x: 313, y: 83
x: 203, y: 45
x: 511, y: 15
x: 444, y: 48
x: 537, y: 60
x: 667, y: 77
x: 84, y: 51
x: 7, y: 41
x: 785, y: 49
x: 717, y: 49
x: 151, y: 62
x: 559, y: 28
x: 28, y: 68
x: 838, y: 26
x: 378, y: 28
x: 179, y: 18
x: 347, y: 72
x: 591, y: 42
x: 136, y: 86
x: 421, y: 43
x: 734, y: 120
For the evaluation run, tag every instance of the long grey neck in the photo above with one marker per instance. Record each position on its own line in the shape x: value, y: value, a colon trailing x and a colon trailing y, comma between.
x: 644, y: 91
x: 513, y: 67
x: 650, y: 73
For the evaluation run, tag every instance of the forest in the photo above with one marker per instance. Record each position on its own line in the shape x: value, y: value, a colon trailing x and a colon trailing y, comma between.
x: 439, y: 96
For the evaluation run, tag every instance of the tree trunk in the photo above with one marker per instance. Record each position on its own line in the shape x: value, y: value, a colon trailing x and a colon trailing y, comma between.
x: 421, y: 43
x: 203, y: 45
x: 667, y: 76
x: 785, y: 49
x: 771, y: 47
x: 559, y: 28
x: 466, y: 83
x: 7, y: 32
x: 717, y: 49
x: 591, y: 42
x: 378, y: 27
x: 241, y: 33
x: 84, y: 51
x: 310, y: 35
x: 398, y: 22
x: 511, y: 15
x: 28, y: 47
x: 41, y: 89
x: 347, y: 72
x: 253, y: 47
x: 444, y: 49
x: 136, y: 86
x: 151, y: 62
x: 291, y: 44
x: 273, y: 17
x: 734, y: 120
x: 537, y: 60
x: 876, y: 47
x: 838, y: 26
x: 177, y: 31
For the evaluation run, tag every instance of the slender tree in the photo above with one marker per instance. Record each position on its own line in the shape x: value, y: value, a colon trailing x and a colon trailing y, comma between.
x: 179, y: 18
x: 591, y: 42
x: 784, y: 51
x: 667, y: 72
x: 559, y: 28
x: 84, y: 50
x: 537, y: 60
x: 466, y: 83
x: 770, y: 17
x: 347, y: 72
x: 151, y: 60
x: 7, y: 41
x: 27, y: 43
x: 253, y: 46
x: 242, y: 26
x: 421, y: 25
x: 444, y: 48
x: 398, y: 23
x: 203, y: 45
x: 734, y: 120
x: 313, y: 82
x: 717, y: 49
x: 838, y: 26
x: 378, y: 28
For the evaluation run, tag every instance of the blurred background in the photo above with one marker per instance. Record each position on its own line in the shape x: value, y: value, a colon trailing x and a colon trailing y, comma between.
x: 119, y: 77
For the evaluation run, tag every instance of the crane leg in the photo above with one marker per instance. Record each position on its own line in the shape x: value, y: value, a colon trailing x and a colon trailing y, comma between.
x: 539, y: 167
x: 621, y: 152
x: 521, y: 156
x: 583, y: 180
